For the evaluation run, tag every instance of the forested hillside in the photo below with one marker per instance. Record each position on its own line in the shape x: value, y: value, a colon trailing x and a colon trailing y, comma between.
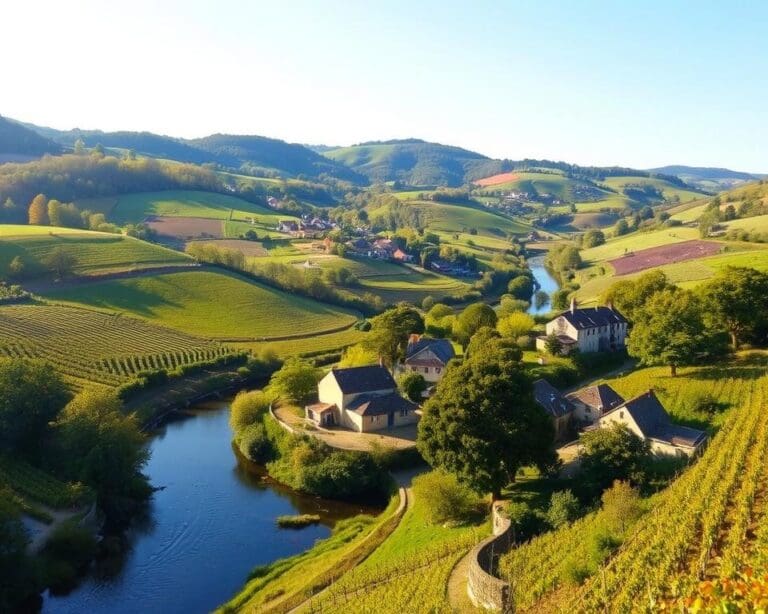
x: 18, y: 140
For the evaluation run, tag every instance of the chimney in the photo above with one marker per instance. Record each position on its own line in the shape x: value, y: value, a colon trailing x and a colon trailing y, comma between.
x: 413, y: 338
x: 573, y: 304
x: 381, y: 360
x: 609, y: 304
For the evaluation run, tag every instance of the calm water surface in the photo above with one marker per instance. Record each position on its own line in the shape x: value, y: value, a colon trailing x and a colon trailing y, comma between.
x: 211, y: 524
x: 546, y: 282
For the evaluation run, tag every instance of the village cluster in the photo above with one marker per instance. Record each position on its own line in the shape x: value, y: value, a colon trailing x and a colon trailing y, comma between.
x: 366, y: 399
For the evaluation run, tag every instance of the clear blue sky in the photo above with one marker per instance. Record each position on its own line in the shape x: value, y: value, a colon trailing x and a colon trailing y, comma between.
x: 633, y: 83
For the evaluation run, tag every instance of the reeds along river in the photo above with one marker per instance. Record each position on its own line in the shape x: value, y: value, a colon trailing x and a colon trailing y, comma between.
x: 212, y: 522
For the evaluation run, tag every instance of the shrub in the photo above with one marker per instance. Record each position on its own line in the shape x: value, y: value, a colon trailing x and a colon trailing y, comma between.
x: 247, y: 408
x: 412, y: 385
x: 253, y: 443
x: 445, y: 498
x: 563, y: 509
x: 298, y: 521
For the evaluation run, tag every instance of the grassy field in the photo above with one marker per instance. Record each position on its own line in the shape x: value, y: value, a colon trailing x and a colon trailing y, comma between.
x: 759, y: 223
x: 459, y: 218
x: 329, y: 342
x: 133, y: 208
x: 94, y: 252
x: 669, y: 190
x: 87, y: 345
x: 211, y: 304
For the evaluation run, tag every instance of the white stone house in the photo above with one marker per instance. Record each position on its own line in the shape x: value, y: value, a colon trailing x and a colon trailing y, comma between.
x: 646, y: 417
x: 428, y: 357
x: 362, y: 399
x: 587, y: 329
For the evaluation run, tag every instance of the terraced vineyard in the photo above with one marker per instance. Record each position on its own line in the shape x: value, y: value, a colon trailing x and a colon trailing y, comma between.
x: 711, y: 521
x: 93, y: 346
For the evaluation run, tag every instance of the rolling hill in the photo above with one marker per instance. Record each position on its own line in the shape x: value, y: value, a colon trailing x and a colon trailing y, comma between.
x: 18, y: 143
x: 707, y: 178
x: 257, y: 153
x: 416, y: 162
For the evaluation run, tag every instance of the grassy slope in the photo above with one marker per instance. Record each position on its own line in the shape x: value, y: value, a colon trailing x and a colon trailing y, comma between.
x: 133, y: 208
x: 457, y: 218
x: 637, y: 241
x: 211, y: 304
x: 668, y: 190
x: 94, y: 251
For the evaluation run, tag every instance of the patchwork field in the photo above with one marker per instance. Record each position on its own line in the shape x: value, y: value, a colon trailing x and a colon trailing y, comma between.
x: 94, y: 252
x: 186, y: 227
x: 247, y: 248
x: 500, y: 179
x: 88, y: 345
x: 212, y: 304
x: 633, y: 262
x: 637, y: 241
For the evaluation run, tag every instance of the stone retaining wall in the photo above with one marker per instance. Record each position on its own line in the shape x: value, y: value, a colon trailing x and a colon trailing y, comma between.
x: 484, y: 589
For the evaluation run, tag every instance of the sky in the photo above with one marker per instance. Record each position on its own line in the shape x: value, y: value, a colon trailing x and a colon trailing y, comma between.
x: 639, y: 84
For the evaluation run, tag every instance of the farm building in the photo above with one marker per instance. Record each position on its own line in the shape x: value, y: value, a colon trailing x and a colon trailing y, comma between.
x: 592, y: 402
x: 402, y: 256
x: 428, y: 357
x: 590, y: 329
x: 646, y: 417
x: 558, y: 407
x: 362, y: 399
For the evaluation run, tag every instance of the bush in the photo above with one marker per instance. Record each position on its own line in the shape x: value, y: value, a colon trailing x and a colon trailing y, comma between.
x: 564, y: 508
x: 446, y: 499
x: 298, y: 521
x: 253, y: 443
x: 412, y: 385
x: 247, y: 408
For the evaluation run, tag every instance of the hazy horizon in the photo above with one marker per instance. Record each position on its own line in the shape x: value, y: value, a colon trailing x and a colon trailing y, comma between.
x: 593, y: 84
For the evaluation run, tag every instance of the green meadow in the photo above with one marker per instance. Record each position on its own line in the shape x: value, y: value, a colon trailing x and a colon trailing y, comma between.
x: 94, y: 252
x: 211, y: 304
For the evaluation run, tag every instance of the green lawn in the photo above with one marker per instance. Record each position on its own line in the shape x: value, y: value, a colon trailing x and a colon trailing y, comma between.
x: 94, y: 252
x: 669, y: 190
x: 211, y: 304
x: 758, y: 223
x: 132, y: 208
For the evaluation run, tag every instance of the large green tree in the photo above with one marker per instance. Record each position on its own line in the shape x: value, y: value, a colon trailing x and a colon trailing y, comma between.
x: 390, y: 330
x: 105, y: 449
x: 630, y: 295
x: 613, y: 453
x: 669, y: 330
x: 736, y: 300
x: 472, y: 319
x: 31, y: 395
x: 295, y: 382
x: 483, y: 423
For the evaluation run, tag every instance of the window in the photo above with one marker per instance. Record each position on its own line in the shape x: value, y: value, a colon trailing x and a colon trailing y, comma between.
x: 437, y: 369
x: 403, y: 412
x: 426, y: 369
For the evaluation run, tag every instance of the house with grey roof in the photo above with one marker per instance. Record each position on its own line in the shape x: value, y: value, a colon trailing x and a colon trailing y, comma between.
x: 362, y: 399
x: 428, y: 357
x: 587, y: 329
x: 592, y: 402
x: 646, y: 417
x: 558, y: 408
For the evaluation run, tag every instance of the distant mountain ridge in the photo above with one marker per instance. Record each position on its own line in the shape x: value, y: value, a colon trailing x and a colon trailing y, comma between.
x: 262, y: 154
x: 19, y: 142
x: 415, y: 162
x: 708, y: 178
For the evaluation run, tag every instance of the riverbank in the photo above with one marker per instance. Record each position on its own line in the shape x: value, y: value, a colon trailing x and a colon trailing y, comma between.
x: 211, y: 521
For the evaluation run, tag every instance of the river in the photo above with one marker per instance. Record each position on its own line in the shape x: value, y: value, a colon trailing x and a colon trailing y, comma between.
x: 212, y: 522
x: 546, y: 282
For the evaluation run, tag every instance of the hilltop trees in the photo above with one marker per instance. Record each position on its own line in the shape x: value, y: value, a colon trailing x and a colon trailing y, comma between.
x: 736, y: 300
x: 483, y: 423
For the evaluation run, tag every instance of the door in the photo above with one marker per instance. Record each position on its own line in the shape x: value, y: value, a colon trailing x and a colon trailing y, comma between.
x: 391, y: 420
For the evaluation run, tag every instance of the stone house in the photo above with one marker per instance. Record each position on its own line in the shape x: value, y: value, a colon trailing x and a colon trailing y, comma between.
x: 428, y: 357
x: 362, y: 399
x: 558, y: 408
x: 592, y: 402
x: 587, y: 329
x: 646, y: 417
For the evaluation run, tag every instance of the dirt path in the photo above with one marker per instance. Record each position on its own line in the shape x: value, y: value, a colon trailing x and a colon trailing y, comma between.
x: 458, y: 597
x: 41, y: 531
